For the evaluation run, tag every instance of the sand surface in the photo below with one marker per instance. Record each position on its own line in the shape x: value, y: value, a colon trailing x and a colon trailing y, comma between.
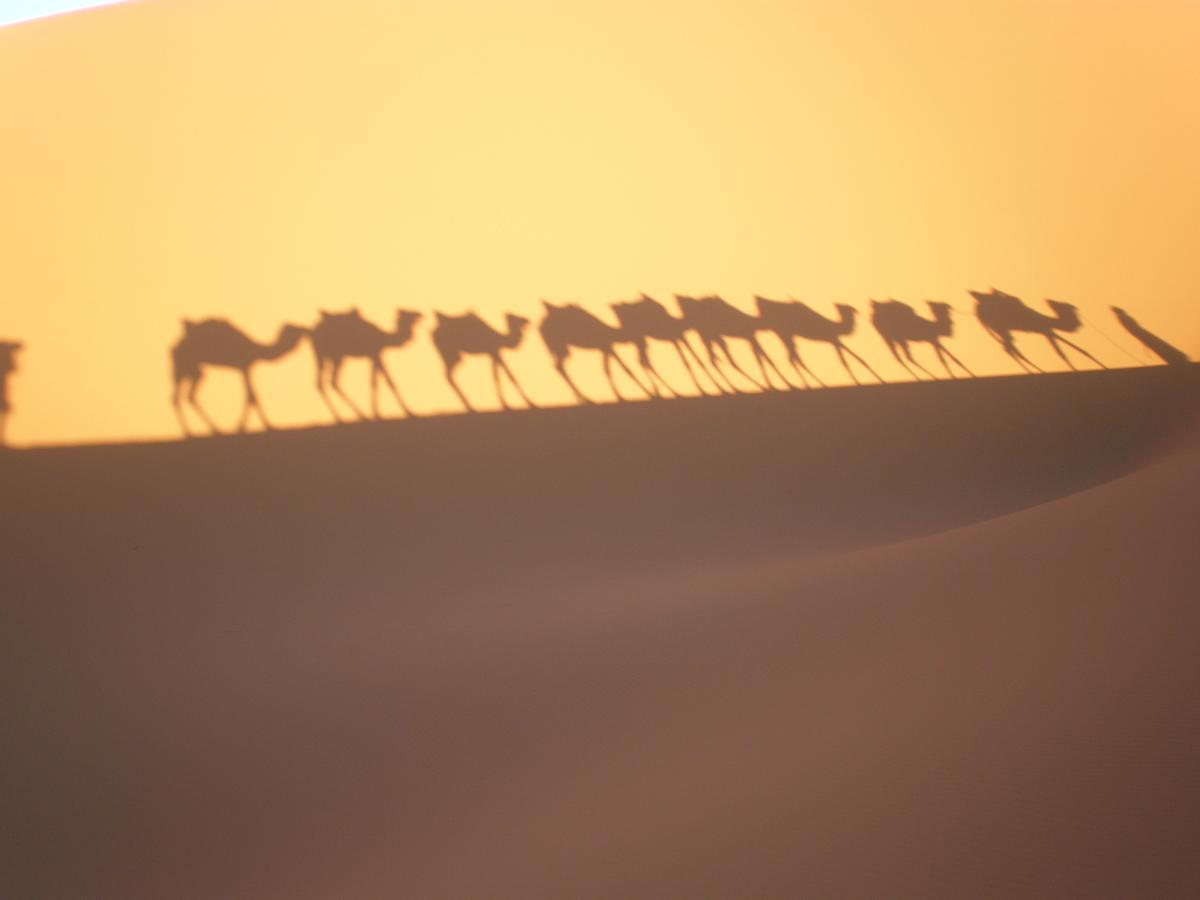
x: 905, y: 641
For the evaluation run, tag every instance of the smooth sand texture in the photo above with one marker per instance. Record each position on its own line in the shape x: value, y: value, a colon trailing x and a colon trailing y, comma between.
x: 916, y: 640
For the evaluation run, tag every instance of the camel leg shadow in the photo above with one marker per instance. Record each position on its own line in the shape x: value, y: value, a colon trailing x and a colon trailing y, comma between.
x: 679, y: 348
x: 498, y: 361
x: 251, y: 403
x: 733, y: 364
x: 450, y: 366
x: 800, y: 365
x: 560, y: 366
x: 912, y: 359
x: 900, y: 359
x: 942, y: 353
x: 657, y: 382
x: 765, y: 360
x: 842, y: 351
x: 322, y: 389
x: 194, y: 402
x: 1055, y: 339
x: 380, y: 371
x: 609, y: 356
x: 335, y: 379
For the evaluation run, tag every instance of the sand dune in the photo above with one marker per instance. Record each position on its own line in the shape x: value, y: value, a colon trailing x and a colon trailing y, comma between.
x: 912, y: 640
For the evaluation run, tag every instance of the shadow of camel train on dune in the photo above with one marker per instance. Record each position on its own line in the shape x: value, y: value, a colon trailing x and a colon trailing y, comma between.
x: 566, y: 328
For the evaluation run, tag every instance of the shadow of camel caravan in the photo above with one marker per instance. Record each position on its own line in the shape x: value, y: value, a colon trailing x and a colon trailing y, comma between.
x: 567, y: 327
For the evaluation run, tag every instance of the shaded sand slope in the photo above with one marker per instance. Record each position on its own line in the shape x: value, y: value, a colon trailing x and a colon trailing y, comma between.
x: 696, y: 649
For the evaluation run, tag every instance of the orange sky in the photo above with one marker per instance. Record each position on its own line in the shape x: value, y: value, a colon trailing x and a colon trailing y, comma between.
x: 259, y: 159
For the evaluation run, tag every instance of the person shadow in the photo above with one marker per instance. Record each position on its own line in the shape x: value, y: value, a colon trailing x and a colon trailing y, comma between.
x: 1169, y: 354
x: 8, y: 366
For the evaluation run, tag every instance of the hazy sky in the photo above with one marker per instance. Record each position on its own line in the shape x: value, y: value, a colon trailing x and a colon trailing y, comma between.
x: 262, y: 159
x: 20, y: 10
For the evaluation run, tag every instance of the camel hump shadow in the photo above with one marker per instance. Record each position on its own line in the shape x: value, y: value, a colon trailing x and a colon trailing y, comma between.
x: 1168, y: 353
x: 458, y: 336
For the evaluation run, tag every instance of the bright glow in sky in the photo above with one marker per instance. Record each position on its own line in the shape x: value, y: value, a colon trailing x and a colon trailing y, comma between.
x: 21, y: 10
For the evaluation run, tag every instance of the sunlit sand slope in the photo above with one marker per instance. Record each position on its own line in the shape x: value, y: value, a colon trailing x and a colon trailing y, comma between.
x: 927, y: 640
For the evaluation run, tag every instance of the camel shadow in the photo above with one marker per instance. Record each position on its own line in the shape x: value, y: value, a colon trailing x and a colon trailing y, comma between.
x: 715, y: 321
x: 456, y: 337
x: 346, y: 335
x: 793, y: 321
x: 1003, y: 315
x: 567, y: 327
x: 644, y: 320
x: 218, y: 343
x: 8, y: 366
x: 900, y: 325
